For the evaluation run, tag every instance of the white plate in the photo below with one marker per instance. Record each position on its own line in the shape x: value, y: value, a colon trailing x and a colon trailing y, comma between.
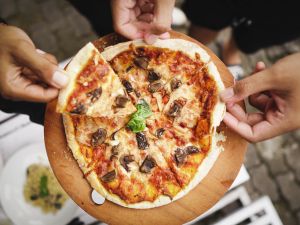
x: 11, y: 192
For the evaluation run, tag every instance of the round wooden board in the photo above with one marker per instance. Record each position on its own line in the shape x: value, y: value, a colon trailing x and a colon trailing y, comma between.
x: 196, y: 202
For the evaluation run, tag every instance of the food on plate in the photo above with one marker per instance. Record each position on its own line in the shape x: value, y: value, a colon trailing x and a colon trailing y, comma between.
x: 42, y: 190
x: 165, y: 141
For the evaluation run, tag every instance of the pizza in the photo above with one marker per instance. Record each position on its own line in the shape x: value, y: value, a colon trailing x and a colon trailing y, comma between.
x: 150, y: 136
x: 94, y: 89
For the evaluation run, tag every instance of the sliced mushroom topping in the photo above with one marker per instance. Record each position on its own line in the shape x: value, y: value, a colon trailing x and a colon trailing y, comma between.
x: 137, y: 93
x: 127, y: 86
x: 141, y: 62
x: 121, y: 101
x: 154, y: 87
x: 153, y: 76
x: 110, y: 176
x: 113, y: 136
x: 142, y: 141
x: 79, y: 109
x: 129, y: 68
x: 125, y: 160
x: 191, y: 149
x: 175, y: 83
x: 115, y: 149
x: 148, y: 164
x: 174, y: 109
x: 95, y: 94
x: 98, y: 137
x: 180, y: 156
x: 159, y: 132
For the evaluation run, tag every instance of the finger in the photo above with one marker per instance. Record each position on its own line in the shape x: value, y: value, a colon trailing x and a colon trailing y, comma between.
x: 150, y: 38
x: 162, y: 16
x: 259, y: 101
x: 251, y: 118
x: 165, y: 35
x: 38, y: 93
x: 26, y: 55
x: 24, y: 89
x: 30, y: 75
x: 147, y: 8
x: 259, y: 66
x: 146, y: 17
x: 258, y: 132
x: 256, y: 83
x: 159, y: 28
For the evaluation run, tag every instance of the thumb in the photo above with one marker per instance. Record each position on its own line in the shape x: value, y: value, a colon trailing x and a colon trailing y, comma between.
x: 162, y: 16
x: 27, y: 56
x: 258, y: 82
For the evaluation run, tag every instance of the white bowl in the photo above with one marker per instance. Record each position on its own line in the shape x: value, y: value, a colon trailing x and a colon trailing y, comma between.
x: 11, y: 193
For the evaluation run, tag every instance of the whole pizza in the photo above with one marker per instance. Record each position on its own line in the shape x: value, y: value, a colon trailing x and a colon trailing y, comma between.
x: 141, y: 119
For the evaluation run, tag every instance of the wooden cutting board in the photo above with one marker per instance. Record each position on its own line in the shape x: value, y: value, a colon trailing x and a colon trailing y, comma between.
x: 195, y: 203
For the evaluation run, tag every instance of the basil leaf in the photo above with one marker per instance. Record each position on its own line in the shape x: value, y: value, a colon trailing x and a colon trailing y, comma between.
x: 143, y: 109
x: 137, y: 122
x: 136, y: 125
x: 43, y: 186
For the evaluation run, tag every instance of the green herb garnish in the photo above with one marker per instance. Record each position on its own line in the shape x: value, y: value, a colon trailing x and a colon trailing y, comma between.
x: 44, y: 186
x: 137, y: 122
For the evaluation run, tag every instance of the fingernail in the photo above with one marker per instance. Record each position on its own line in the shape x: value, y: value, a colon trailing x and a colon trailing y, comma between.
x: 164, y: 35
x: 40, y: 51
x: 60, y: 78
x: 227, y: 94
x: 150, y: 38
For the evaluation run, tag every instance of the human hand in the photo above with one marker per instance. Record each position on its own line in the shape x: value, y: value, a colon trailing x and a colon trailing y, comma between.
x: 275, y: 92
x: 25, y: 72
x: 146, y: 19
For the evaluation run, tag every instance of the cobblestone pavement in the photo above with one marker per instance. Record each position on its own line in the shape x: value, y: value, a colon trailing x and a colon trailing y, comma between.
x: 274, y: 165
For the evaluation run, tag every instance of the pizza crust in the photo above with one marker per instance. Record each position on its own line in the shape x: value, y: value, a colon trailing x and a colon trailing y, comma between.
x: 75, y: 148
x: 73, y: 69
x: 187, y: 47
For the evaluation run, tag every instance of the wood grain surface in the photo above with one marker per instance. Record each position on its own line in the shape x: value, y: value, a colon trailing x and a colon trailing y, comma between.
x: 195, y: 203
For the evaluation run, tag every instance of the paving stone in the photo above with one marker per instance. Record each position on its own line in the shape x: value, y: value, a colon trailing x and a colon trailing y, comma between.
x: 296, y: 134
x: 251, y: 158
x: 277, y: 165
x: 268, y: 149
x: 51, y: 11
x: 285, y: 214
x: 251, y: 190
x: 263, y: 182
x: 293, y: 46
x: 292, y: 153
x: 8, y: 8
x: 28, y: 7
x: 80, y: 24
x: 290, y: 189
x: 276, y: 52
x: 44, y: 40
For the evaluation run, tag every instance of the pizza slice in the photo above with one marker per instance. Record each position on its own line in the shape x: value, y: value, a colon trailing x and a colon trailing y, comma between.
x: 149, y: 165
x: 145, y: 70
x: 94, y: 89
